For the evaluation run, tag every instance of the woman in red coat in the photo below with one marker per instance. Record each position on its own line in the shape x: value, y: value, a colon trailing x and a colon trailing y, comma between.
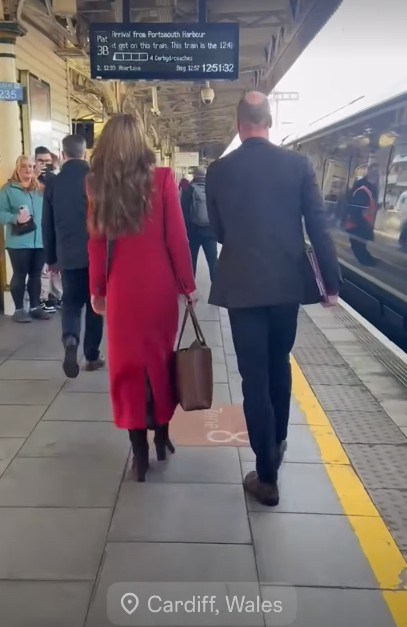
x: 136, y: 205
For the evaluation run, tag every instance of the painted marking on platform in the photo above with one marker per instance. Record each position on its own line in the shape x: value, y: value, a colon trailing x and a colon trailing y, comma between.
x: 378, y: 545
x: 220, y: 426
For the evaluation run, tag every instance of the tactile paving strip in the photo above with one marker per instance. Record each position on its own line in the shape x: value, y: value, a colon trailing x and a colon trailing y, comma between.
x: 393, y: 506
x: 380, y: 466
x: 318, y: 357
x: 376, y: 448
x: 365, y: 428
x: 330, y: 375
x: 311, y: 341
x: 345, y: 398
x: 396, y: 366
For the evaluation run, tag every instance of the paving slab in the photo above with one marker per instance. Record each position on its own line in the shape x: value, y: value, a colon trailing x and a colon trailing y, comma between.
x: 52, y: 544
x: 76, y: 439
x: 199, y: 464
x: 380, y: 466
x: 304, y: 488
x: 61, y: 482
x: 18, y: 369
x: 220, y: 373
x: 17, y: 421
x: 334, y: 607
x: 9, y: 448
x: 81, y: 406
x: 397, y: 410
x: 393, y: 506
x: 385, y: 386
x: 302, y: 447
x: 193, y: 513
x: 221, y: 394
x: 371, y: 428
x: 309, y: 550
x: 88, y: 382
x: 44, y: 604
x: 133, y: 562
x: 26, y: 392
x: 345, y: 398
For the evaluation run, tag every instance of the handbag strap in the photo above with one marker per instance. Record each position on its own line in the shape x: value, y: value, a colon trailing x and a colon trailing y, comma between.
x: 189, y: 312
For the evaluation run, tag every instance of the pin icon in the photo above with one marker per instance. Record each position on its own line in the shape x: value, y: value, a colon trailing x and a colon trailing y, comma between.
x: 129, y: 602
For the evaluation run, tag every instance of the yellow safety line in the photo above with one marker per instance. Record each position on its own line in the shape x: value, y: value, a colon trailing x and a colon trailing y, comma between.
x: 378, y: 545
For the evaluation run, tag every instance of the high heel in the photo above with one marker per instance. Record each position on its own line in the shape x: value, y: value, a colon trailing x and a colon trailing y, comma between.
x: 162, y: 443
x: 139, y: 441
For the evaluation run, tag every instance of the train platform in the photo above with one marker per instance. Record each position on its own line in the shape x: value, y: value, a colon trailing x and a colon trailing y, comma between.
x: 82, y: 545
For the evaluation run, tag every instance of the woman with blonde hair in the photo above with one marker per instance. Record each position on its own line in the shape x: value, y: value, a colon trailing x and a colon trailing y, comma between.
x: 21, y: 213
x: 135, y: 213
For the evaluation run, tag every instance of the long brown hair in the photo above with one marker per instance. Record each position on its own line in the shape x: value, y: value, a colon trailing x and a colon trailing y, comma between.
x: 120, y: 181
x: 15, y: 177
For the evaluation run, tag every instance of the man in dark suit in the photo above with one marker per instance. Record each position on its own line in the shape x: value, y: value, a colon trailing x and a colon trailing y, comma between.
x: 257, y: 198
x: 66, y: 246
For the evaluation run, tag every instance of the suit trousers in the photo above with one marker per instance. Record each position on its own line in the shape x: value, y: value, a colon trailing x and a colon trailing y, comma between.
x: 75, y: 286
x: 263, y: 339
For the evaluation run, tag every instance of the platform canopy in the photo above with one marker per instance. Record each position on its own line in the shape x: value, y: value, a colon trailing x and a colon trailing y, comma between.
x: 273, y: 33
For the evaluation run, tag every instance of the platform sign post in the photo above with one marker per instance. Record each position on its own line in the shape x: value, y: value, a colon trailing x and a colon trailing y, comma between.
x: 172, y: 51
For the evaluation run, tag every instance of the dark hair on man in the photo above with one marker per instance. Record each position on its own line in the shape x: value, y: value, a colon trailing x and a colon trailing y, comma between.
x: 42, y: 150
x: 74, y: 146
x: 254, y: 110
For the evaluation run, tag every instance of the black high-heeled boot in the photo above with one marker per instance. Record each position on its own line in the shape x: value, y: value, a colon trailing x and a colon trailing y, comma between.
x: 162, y: 442
x: 139, y: 442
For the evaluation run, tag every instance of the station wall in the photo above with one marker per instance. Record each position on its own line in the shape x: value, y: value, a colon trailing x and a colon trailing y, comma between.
x: 35, y: 53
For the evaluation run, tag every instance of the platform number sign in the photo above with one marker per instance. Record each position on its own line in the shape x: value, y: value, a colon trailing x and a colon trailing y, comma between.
x: 11, y: 92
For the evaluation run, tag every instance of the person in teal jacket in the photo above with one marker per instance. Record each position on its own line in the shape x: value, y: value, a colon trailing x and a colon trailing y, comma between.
x: 21, y: 213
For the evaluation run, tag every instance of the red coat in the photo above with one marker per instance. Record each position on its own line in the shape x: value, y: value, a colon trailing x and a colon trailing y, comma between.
x: 148, y: 272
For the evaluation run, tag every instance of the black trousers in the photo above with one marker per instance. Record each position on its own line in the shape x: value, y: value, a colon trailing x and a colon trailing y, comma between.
x: 201, y: 238
x: 26, y: 262
x: 263, y: 339
x: 75, y: 286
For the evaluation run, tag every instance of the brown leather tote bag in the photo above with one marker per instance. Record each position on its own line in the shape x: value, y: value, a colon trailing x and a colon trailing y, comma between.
x: 193, y: 369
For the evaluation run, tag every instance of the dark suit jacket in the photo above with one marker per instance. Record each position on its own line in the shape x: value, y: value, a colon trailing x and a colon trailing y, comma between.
x: 257, y: 198
x: 64, y: 227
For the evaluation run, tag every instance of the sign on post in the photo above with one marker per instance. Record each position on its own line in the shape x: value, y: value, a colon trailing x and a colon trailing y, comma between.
x: 12, y: 92
x: 164, y: 51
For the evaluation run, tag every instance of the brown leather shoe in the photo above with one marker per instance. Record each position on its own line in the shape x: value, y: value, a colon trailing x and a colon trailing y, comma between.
x: 97, y: 364
x: 264, y: 493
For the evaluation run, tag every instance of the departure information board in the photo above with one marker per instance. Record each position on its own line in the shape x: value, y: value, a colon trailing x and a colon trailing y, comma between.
x: 174, y: 51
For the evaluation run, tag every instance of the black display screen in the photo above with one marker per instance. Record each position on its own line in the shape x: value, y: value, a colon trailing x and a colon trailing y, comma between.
x: 164, y: 51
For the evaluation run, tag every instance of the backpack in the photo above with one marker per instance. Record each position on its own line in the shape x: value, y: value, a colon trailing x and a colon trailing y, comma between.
x: 199, y: 212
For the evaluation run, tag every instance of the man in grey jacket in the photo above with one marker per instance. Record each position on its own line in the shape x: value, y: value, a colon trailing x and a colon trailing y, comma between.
x: 258, y: 197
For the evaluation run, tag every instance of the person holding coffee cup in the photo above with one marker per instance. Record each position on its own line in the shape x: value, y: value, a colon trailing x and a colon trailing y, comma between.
x: 21, y: 213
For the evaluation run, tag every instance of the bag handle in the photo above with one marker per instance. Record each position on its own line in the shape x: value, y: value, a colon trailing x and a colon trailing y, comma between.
x: 189, y: 312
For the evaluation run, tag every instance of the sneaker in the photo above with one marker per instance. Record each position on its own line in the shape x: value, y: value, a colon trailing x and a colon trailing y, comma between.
x: 264, y: 493
x: 38, y: 313
x: 21, y: 315
x: 59, y: 304
x: 70, y: 364
x: 48, y: 306
x: 97, y: 364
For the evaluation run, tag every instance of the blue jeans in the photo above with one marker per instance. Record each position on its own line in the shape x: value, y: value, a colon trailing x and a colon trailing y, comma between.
x: 198, y: 238
x: 263, y: 339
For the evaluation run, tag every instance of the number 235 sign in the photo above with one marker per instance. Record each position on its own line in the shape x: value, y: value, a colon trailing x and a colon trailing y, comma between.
x: 12, y: 92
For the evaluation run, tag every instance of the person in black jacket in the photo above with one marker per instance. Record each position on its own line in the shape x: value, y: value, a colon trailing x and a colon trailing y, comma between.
x: 200, y: 234
x: 258, y: 197
x: 66, y: 247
